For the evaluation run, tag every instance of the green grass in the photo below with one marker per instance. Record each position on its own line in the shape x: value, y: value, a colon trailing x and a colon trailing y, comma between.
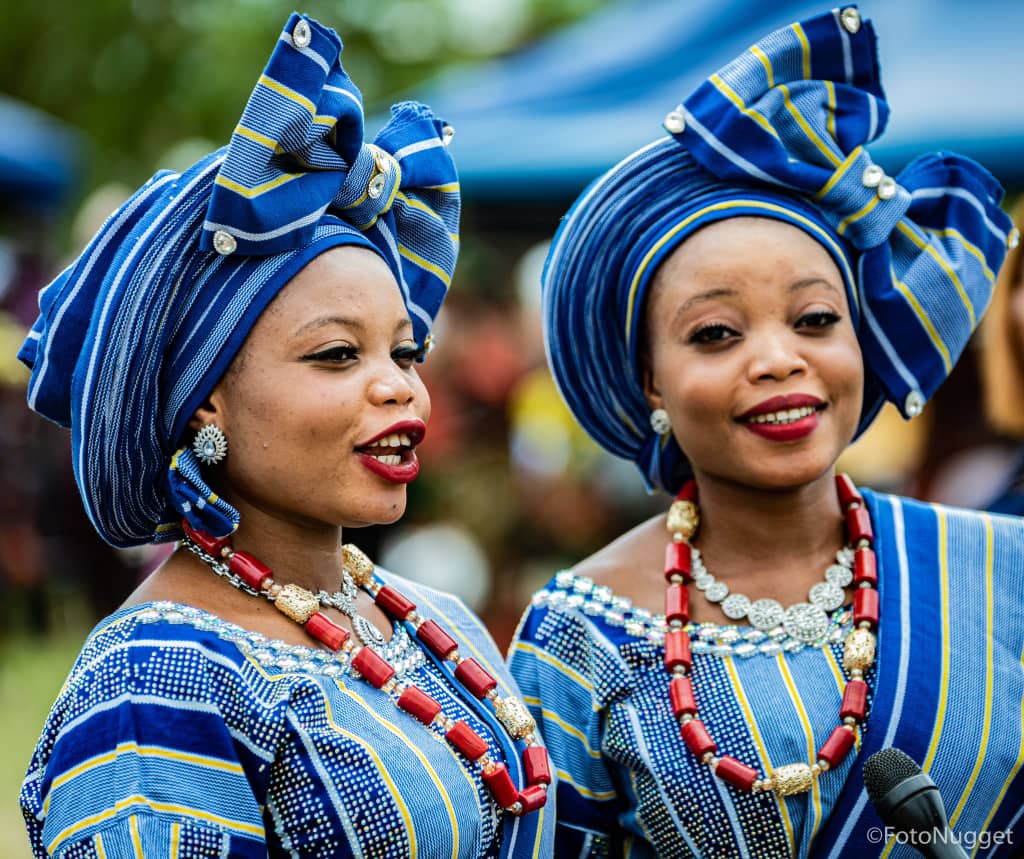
x: 32, y: 670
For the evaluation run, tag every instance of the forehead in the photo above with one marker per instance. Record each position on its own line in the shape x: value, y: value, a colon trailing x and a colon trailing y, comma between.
x: 348, y: 280
x: 749, y: 250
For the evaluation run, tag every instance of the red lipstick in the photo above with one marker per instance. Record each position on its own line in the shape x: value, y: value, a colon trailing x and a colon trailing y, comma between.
x: 408, y: 467
x: 788, y: 430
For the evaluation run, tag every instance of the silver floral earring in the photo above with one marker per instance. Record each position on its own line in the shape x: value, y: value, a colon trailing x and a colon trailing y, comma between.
x: 660, y: 422
x: 211, y: 445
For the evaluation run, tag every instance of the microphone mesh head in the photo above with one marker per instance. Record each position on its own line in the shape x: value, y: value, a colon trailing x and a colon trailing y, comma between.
x: 885, y: 769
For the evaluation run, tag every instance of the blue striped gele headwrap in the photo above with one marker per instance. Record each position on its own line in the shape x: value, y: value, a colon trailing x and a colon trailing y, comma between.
x: 779, y: 132
x: 133, y: 336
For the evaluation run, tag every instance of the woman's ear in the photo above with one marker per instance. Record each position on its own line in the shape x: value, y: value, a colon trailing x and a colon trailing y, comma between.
x: 652, y: 393
x: 210, y: 412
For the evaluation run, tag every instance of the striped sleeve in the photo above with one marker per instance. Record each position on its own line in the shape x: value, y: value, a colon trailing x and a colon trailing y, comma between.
x: 553, y: 661
x: 139, y: 757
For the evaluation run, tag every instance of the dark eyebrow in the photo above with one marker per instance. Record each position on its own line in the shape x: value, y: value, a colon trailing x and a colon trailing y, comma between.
x: 344, y: 321
x: 805, y: 282
x: 708, y: 295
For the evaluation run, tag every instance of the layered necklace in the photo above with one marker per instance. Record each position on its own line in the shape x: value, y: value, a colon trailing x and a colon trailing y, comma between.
x: 249, y: 574
x: 858, y: 647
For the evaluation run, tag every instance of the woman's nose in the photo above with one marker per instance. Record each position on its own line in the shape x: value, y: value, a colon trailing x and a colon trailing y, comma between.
x: 775, y: 357
x: 391, y: 385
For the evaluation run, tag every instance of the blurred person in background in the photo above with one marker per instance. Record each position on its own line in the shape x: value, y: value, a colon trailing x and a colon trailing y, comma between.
x: 729, y: 307
x: 235, y: 355
x: 1002, y: 367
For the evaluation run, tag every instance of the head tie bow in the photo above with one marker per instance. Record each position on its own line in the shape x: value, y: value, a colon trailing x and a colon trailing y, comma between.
x: 779, y: 132
x: 134, y: 335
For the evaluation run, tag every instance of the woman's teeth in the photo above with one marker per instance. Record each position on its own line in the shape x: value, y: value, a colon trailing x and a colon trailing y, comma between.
x: 390, y: 459
x: 787, y: 416
x: 389, y: 442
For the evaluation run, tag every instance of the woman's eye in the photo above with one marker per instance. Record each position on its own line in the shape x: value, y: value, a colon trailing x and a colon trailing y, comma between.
x: 818, y: 319
x: 336, y: 355
x: 406, y: 356
x: 716, y: 333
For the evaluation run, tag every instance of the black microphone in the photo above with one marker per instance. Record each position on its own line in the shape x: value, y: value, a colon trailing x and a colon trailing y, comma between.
x: 908, y: 801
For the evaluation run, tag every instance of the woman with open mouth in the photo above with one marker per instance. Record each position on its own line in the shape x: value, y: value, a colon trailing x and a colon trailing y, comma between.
x: 235, y: 354
x: 729, y: 307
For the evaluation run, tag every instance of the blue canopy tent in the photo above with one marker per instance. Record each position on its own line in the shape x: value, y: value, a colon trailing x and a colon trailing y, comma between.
x: 38, y: 157
x: 538, y: 125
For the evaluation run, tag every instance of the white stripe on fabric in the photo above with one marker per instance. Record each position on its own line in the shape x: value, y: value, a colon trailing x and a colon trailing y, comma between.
x: 419, y: 146
x: 873, y: 114
x: 345, y: 93
x: 932, y: 193
x: 305, y: 221
x: 883, y: 340
x: 727, y: 153
x: 901, y: 677
x: 82, y: 276
x: 844, y: 39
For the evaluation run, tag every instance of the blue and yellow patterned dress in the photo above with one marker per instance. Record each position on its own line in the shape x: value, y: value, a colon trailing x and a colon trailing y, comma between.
x: 947, y: 688
x: 178, y: 734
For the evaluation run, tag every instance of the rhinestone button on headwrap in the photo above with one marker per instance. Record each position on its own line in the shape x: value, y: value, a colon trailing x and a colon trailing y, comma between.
x: 913, y: 405
x: 675, y: 122
x: 224, y: 243
x: 375, y: 187
x: 1013, y: 238
x: 886, y: 188
x: 851, y: 20
x: 447, y: 133
x: 301, y: 35
x: 873, y: 175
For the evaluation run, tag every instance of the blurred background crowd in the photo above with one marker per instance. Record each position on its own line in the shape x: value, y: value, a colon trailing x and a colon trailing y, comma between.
x: 543, y: 95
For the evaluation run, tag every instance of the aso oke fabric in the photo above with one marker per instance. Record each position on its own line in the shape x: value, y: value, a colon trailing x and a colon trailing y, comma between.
x: 780, y: 132
x: 136, y: 332
x: 947, y: 689
x: 179, y: 735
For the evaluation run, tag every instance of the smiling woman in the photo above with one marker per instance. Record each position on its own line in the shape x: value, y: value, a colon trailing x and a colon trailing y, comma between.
x: 728, y: 308
x: 235, y: 354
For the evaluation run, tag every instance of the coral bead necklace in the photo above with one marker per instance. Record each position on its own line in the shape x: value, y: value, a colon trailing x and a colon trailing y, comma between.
x: 247, y: 573
x: 858, y: 649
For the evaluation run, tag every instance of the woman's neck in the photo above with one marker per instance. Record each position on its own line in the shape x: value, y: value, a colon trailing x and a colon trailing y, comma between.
x: 299, y: 553
x: 741, y: 525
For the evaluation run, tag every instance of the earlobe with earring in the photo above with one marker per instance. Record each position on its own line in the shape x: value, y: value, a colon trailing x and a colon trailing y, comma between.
x: 210, y: 445
x: 660, y: 422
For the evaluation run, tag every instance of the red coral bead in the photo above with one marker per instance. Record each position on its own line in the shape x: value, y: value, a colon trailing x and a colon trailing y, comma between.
x: 865, y: 567
x: 326, y: 631
x: 441, y: 644
x: 376, y: 671
x: 847, y: 491
x: 681, y: 692
x: 466, y: 740
x: 419, y: 704
x: 471, y: 675
x: 677, y: 603
x: 250, y: 570
x: 688, y: 492
x: 865, y: 606
x: 858, y: 525
x: 855, y: 700
x: 678, y: 561
x: 393, y: 603
x: 500, y: 784
x: 536, y: 765
x: 735, y: 773
x: 677, y: 649
x: 531, y: 798
x: 836, y: 747
x: 205, y: 541
x: 697, y: 738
